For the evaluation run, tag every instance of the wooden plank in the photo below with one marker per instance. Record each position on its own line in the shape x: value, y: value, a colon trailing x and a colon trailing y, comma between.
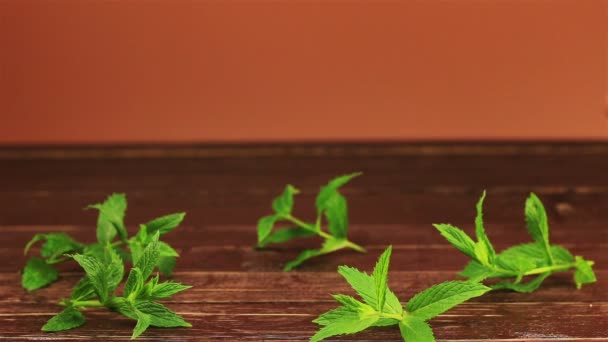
x: 307, y: 287
x: 292, y: 321
x: 241, y: 294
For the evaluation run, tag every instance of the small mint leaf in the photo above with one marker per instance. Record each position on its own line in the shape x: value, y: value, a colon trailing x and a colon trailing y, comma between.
x: 67, y: 319
x: 37, y: 273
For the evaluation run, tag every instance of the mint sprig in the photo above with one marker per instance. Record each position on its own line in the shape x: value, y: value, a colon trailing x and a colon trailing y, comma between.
x: 330, y: 205
x: 40, y: 272
x: 104, y: 273
x: 539, y: 258
x: 380, y: 306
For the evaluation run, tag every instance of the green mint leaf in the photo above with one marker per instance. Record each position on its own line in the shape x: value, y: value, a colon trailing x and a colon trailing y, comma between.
x: 58, y: 244
x: 538, y: 226
x: 37, y: 273
x: 166, y: 264
x: 330, y: 245
x: 414, y: 329
x: 161, y: 316
x: 528, y: 287
x: 134, y: 284
x: 334, y: 205
x: 143, y: 322
x: 536, y: 254
x: 336, y: 213
x: 303, y: 256
x: 352, y: 304
x: 166, y: 250
x: 477, y: 272
x: 442, y: 297
x: 83, y: 290
x: 164, y: 224
x: 484, y: 247
x: 336, y: 315
x: 149, y: 258
x: 284, y: 235
x: 283, y: 204
x: 380, y: 276
x: 67, y: 319
x: 584, y: 272
x: 365, y: 286
x: 111, y: 217
x: 104, y: 275
x: 518, y: 264
x: 328, y: 190
x: 265, y: 225
x: 458, y: 239
x: 343, y: 326
x: 167, y: 289
x: 561, y: 255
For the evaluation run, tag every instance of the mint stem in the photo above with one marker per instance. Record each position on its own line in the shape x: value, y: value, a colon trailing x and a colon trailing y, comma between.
x: 321, y: 233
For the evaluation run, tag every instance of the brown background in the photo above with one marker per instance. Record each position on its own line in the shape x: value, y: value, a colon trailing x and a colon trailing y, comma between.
x: 182, y: 71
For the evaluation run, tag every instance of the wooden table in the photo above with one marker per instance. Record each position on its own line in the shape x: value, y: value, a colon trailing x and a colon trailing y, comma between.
x: 241, y: 294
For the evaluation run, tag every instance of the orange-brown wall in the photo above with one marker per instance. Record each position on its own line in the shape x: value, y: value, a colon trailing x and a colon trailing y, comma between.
x: 177, y: 70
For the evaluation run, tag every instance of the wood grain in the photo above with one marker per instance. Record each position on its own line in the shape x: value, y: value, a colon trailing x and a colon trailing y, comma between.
x: 240, y: 293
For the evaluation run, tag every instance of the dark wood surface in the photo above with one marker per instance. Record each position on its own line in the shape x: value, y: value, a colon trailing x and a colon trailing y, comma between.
x: 241, y: 294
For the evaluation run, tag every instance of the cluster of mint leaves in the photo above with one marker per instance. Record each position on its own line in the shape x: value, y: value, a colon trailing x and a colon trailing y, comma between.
x: 381, y: 307
x: 104, y: 265
x: 40, y: 272
x: 330, y: 204
x: 539, y: 258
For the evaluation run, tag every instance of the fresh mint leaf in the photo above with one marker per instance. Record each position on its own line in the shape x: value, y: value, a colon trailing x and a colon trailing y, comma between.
x: 584, y: 273
x: 164, y: 224
x: 160, y: 315
x: 40, y: 272
x: 457, y: 238
x: 83, y: 290
x: 365, y: 286
x: 111, y: 217
x: 539, y: 258
x: 518, y: 264
x: 58, y: 244
x: 442, y: 297
x: 284, y: 235
x: 336, y: 213
x: 165, y: 250
x: 380, y: 276
x: 167, y: 289
x: 67, y: 319
x: 330, y: 204
x: 330, y: 189
x: 134, y: 284
x: 265, y: 225
x: 477, y: 272
x: 37, y: 274
x: 354, y: 316
x: 283, y: 204
x: 538, y: 225
x: 330, y: 245
x: 484, y: 249
x: 528, y: 287
x: 414, y: 329
x: 149, y: 258
x: 166, y: 264
x: 344, y: 326
x: 143, y: 322
x: 104, y: 275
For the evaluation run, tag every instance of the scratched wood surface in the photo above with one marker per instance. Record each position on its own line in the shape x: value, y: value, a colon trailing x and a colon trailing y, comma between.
x: 241, y: 294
